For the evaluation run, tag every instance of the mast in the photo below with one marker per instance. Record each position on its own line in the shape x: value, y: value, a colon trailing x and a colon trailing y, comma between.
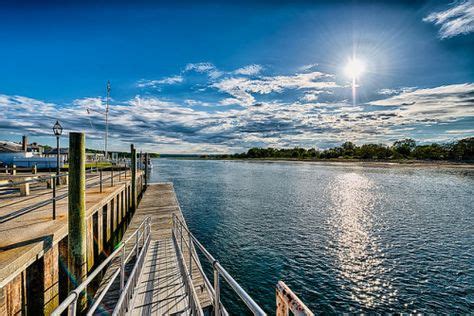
x: 107, y: 118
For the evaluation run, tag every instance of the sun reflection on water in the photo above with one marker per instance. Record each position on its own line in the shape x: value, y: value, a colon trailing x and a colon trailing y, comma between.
x: 358, y: 255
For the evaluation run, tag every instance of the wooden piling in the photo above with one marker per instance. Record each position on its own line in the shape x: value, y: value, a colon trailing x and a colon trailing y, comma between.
x: 147, y: 161
x: 77, y: 261
x: 134, y: 177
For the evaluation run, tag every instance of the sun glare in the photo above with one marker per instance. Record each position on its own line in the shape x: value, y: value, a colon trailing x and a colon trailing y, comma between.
x: 354, y: 68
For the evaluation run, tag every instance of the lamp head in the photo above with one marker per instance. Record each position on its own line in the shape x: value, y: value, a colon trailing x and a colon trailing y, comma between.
x: 57, y: 129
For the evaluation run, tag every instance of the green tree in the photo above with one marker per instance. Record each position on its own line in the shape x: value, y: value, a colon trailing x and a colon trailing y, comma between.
x: 404, y: 147
x: 462, y: 149
x: 348, y: 149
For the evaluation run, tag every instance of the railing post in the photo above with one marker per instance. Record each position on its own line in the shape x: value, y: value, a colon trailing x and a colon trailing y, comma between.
x: 134, y: 177
x: 146, y: 169
x: 54, y: 199
x: 72, y: 308
x: 122, y: 269
x: 77, y: 247
x: 136, y: 243
x: 190, y: 256
x: 217, y: 290
x: 181, y: 233
x: 100, y: 180
x: 112, y: 176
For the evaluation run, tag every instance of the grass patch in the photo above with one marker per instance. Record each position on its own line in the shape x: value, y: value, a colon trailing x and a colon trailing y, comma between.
x: 102, y: 164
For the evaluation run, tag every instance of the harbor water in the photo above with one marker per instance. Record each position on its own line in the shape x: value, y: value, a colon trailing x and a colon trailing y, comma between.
x: 345, y: 238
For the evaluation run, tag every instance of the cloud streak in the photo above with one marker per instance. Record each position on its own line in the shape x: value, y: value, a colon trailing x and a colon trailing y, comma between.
x: 166, y: 126
x: 156, y: 83
x: 242, y: 89
x: 457, y: 20
x: 249, y: 70
x: 243, y: 108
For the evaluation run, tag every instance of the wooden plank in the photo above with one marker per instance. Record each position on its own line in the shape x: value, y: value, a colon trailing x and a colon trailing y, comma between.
x: 51, y: 279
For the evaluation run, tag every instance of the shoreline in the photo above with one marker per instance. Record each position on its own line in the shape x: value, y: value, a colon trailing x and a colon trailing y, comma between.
x: 354, y: 162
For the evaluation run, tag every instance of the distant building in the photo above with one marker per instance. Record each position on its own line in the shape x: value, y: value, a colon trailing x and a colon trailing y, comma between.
x: 52, y: 152
x: 94, y: 156
x: 26, y: 155
x: 10, y: 150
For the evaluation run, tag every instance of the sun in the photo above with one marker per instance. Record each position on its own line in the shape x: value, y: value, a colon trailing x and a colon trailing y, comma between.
x: 354, y: 68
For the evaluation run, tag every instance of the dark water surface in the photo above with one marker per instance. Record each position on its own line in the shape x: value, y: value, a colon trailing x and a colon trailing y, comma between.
x: 345, y: 238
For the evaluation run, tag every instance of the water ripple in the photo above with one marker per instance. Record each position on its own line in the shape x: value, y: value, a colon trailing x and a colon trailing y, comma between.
x: 345, y: 238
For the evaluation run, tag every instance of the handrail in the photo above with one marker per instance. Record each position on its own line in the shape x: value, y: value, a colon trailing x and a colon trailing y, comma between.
x: 36, y: 179
x: 287, y: 301
x: 123, y: 303
x: 71, y: 300
x: 219, y: 270
x: 186, y: 272
x: 54, y: 198
x: 39, y: 178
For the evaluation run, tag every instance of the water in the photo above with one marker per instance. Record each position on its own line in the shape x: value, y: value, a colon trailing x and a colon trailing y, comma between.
x: 344, y: 238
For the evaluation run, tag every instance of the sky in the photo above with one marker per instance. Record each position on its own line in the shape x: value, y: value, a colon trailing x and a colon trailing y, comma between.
x: 222, y: 77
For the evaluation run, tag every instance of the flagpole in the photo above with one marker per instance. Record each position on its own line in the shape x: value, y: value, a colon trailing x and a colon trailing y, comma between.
x: 107, y: 118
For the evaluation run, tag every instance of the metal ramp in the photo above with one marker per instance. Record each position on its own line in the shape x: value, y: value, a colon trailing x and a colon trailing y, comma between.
x: 160, y: 289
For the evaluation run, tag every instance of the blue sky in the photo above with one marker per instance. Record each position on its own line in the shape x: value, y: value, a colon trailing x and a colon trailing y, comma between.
x: 222, y: 77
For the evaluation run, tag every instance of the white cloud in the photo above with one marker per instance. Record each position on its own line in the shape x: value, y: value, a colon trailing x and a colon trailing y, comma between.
x: 92, y: 103
x: 389, y: 91
x: 308, y: 67
x: 461, y: 131
x: 249, y: 70
x: 204, y: 67
x: 192, y: 102
x: 155, y: 83
x: 242, y: 88
x: 454, y: 21
x: 446, y: 103
x: 300, y: 117
x: 200, y: 67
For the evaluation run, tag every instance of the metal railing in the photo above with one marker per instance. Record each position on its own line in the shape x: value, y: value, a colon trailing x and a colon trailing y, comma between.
x: 218, y: 270
x: 288, y: 301
x: 186, y: 272
x: 141, y: 236
x: 52, y: 180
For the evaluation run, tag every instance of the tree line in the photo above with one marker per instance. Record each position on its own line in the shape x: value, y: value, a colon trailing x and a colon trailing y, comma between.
x: 461, y: 150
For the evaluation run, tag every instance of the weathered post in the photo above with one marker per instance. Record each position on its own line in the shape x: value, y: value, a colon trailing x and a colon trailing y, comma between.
x: 77, y: 260
x: 134, y: 177
x: 13, y: 170
x: 34, y: 169
x: 147, y: 157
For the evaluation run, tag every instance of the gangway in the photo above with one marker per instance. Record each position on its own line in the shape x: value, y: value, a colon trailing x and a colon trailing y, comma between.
x: 156, y: 270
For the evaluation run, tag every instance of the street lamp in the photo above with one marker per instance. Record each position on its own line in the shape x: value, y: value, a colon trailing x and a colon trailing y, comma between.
x: 58, y: 130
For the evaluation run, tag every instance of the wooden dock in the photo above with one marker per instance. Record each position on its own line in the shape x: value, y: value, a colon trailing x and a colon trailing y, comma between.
x: 161, y: 289
x: 33, y: 247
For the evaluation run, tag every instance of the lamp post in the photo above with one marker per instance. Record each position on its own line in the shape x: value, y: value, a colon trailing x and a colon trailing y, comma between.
x: 58, y: 130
